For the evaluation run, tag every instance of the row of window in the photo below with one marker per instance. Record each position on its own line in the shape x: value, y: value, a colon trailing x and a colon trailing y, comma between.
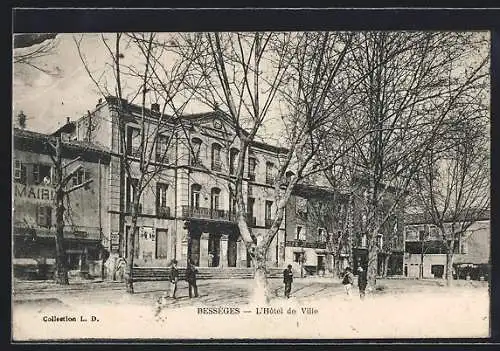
x: 215, y: 199
x: 216, y: 161
x: 161, y: 147
x: 134, y: 145
x: 300, y: 234
x: 43, y: 174
x: 425, y: 231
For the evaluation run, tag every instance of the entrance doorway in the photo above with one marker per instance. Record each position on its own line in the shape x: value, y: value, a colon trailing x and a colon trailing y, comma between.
x: 321, y: 263
x: 437, y: 270
x: 213, y: 250
x: 232, y: 250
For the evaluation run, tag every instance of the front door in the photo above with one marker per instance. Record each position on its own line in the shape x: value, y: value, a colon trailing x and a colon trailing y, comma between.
x: 213, y: 250
x: 232, y: 251
x: 321, y: 263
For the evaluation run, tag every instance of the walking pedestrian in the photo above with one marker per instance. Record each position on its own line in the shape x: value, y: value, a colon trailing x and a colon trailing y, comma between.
x: 288, y: 279
x: 362, y: 282
x: 191, y: 271
x: 348, y: 280
x: 173, y: 277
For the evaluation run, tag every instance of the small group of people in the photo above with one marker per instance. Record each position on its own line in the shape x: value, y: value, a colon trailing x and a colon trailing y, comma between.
x: 190, y: 277
x: 347, y: 281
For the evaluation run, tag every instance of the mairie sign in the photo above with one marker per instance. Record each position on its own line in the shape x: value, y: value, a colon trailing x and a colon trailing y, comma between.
x: 34, y: 192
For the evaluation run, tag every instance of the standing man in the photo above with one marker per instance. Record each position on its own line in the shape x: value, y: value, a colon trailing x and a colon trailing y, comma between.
x: 362, y: 282
x: 288, y: 279
x: 348, y: 280
x: 173, y: 277
x: 191, y: 278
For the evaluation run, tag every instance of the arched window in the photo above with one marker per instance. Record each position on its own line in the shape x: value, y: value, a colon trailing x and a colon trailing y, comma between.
x: 233, y: 160
x: 196, y: 145
x: 195, y: 196
x: 289, y: 176
x: 215, y: 199
x: 216, y: 159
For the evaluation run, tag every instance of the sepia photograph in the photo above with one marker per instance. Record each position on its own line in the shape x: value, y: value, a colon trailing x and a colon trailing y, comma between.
x: 251, y: 185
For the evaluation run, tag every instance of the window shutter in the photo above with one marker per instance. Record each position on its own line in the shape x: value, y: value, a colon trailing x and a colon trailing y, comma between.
x: 36, y: 173
x: 158, y: 195
x: 48, y: 214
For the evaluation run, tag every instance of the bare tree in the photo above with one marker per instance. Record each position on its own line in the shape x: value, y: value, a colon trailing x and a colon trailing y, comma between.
x: 405, y: 86
x: 251, y: 76
x: 62, y: 178
x: 157, y: 77
x: 29, y: 48
x: 453, y: 181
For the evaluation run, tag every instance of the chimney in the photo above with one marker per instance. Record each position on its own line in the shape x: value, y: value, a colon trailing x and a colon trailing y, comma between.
x: 155, y: 107
x: 67, y: 120
x: 99, y: 102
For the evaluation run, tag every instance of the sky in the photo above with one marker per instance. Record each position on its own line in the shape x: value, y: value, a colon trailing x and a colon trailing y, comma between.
x: 48, y: 99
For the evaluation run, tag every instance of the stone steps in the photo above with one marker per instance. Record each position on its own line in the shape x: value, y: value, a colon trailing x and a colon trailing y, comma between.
x: 162, y: 273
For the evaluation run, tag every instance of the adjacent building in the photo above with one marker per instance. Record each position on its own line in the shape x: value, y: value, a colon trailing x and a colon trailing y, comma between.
x: 86, y: 219
x: 425, y: 249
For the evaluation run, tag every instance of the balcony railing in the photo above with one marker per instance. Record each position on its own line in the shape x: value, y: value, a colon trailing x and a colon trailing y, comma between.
x: 161, y: 158
x: 268, y: 222
x: 306, y: 244
x: 195, y: 161
x: 134, y: 151
x: 129, y: 207
x: 216, y: 166
x: 208, y: 213
x: 163, y: 211
x: 269, y: 179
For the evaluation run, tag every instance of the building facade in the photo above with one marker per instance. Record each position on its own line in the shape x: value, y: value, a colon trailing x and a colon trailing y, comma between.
x: 187, y: 209
x: 86, y: 219
x: 426, y: 251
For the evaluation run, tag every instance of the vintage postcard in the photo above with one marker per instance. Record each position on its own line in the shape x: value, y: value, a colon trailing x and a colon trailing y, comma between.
x: 262, y: 185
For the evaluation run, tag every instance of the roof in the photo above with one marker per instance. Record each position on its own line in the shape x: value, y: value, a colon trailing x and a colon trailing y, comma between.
x: 69, y: 127
x: 310, y: 190
x: 192, y: 117
x: 421, y: 218
x: 76, y: 144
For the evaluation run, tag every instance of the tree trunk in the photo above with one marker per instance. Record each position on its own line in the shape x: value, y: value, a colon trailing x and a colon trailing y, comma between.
x: 372, y: 266
x: 129, y: 272
x: 61, y: 270
x: 261, y: 292
x: 449, y: 267
x: 421, y: 270
x: 386, y: 264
